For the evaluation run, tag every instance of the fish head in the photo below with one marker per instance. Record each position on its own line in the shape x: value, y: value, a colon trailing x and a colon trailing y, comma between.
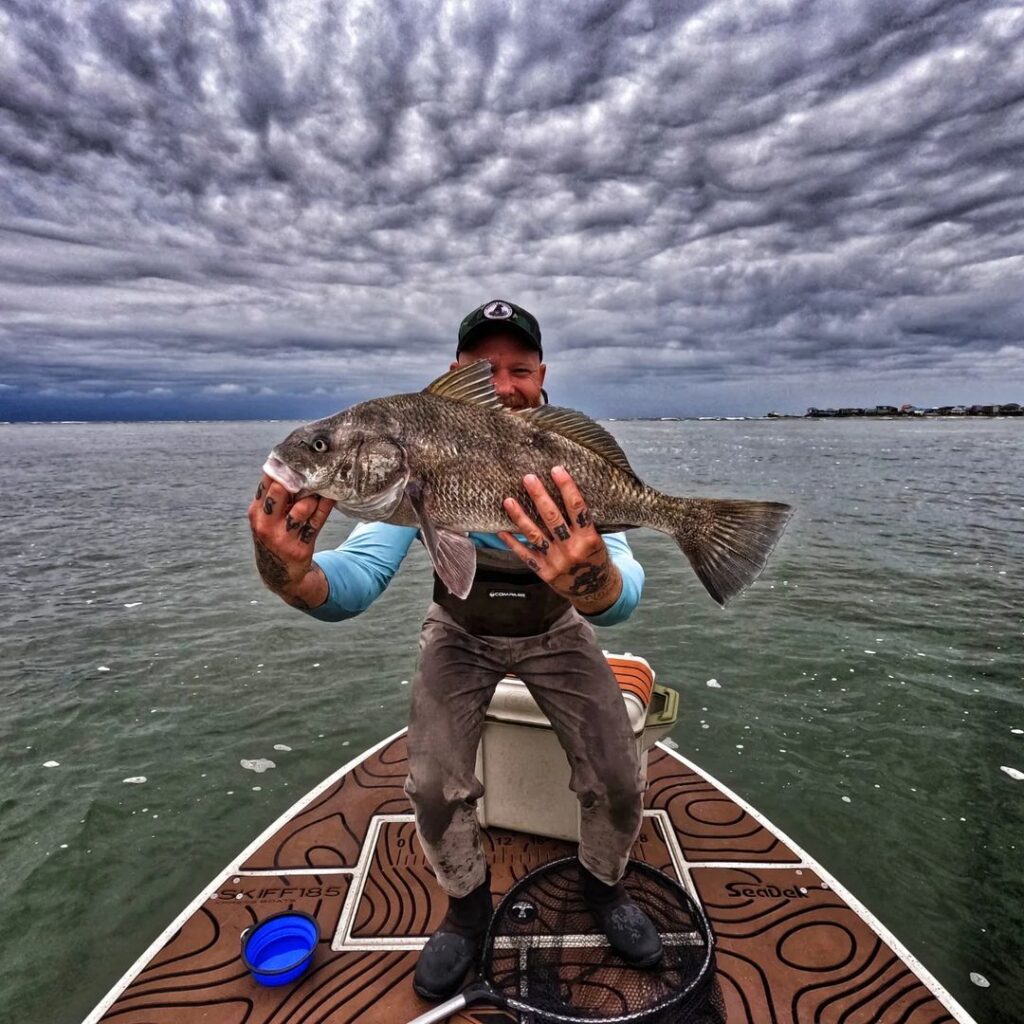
x: 356, y: 463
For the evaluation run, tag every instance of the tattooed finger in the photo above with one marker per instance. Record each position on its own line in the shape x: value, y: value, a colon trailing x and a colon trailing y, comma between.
x: 307, y: 534
x: 583, y: 519
x: 259, y: 490
x: 562, y: 531
x: 268, y: 505
x: 292, y: 524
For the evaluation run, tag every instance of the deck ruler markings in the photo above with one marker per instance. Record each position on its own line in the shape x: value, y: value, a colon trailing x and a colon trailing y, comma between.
x: 527, y: 942
x: 343, y: 939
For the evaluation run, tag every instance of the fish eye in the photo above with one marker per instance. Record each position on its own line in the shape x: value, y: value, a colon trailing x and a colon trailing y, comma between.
x: 319, y: 444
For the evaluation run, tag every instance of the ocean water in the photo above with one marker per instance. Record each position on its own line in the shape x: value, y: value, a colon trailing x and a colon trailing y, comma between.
x: 869, y: 685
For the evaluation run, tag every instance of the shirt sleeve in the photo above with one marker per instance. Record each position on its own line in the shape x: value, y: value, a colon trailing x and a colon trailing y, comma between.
x: 359, y: 570
x: 632, y: 573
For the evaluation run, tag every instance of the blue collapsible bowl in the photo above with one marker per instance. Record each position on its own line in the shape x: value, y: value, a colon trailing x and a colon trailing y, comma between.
x: 279, y: 948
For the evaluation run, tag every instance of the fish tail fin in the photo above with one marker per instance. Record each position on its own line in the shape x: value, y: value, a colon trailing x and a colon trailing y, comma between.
x: 726, y: 541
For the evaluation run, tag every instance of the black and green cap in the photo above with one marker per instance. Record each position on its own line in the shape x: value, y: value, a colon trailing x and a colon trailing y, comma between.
x: 499, y: 315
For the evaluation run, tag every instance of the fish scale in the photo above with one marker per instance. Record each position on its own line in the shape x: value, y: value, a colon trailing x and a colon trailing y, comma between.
x: 468, y: 482
x: 444, y: 460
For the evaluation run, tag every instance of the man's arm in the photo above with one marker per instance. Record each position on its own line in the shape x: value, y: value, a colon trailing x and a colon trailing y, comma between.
x: 568, y: 553
x: 631, y: 572
x: 359, y: 571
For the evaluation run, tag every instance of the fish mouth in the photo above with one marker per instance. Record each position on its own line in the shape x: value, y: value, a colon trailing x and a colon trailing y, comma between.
x: 287, y: 477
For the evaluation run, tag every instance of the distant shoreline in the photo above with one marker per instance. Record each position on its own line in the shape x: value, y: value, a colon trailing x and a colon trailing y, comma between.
x: 816, y: 414
x: 823, y: 414
x: 904, y: 411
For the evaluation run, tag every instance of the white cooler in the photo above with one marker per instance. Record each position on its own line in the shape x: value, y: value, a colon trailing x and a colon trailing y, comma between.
x: 522, y: 765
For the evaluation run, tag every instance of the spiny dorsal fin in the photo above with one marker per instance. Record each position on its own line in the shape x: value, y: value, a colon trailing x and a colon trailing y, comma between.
x: 470, y: 384
x: 581, y: 429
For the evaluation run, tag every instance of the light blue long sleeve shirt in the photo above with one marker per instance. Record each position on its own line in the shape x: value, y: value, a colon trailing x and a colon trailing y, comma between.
x: 360, y: 569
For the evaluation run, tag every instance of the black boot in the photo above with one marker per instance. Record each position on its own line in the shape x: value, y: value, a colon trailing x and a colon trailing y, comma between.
x: 454, y: 947
x: 629, y: 931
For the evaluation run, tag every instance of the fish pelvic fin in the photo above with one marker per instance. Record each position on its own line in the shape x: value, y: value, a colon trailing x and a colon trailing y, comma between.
x: 727, y: 541
x: 452, y: 554
x: 454, y: 558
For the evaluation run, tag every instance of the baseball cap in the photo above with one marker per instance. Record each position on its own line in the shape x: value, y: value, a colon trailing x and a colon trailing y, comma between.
x: 502, y: 315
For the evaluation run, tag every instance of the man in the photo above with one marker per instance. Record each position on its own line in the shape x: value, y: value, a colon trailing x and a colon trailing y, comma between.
x: 568, y: 574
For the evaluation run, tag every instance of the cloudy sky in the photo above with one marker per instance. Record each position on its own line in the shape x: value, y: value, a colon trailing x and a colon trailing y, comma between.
x: 269, y: 208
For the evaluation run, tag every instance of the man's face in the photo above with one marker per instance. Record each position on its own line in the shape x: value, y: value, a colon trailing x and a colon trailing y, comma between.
x: 516, y: 369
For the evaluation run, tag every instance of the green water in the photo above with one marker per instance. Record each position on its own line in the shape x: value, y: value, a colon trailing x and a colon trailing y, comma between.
x: 879, y: 659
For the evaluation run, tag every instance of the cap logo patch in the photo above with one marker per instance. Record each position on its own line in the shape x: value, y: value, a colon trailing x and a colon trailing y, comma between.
x: 497, y: 310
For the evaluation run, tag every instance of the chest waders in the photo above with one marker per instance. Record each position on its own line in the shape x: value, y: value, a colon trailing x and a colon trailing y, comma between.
x: 507, y: 598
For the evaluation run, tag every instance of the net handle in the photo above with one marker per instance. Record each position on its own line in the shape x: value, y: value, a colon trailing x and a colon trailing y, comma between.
x: 442, y: 1012
x: 475, y: 992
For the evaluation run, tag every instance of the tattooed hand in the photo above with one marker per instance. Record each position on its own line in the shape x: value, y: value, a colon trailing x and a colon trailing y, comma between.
x: 284, y: 533
x: 566, y: 551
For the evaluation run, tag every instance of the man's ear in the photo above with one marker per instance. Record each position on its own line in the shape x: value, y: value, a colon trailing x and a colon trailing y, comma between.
x: 542, y: 369
x: 455, y: 365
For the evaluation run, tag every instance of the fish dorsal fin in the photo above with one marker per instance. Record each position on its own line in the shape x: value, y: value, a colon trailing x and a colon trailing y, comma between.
x: 583, y: 430
x: 469, y: 384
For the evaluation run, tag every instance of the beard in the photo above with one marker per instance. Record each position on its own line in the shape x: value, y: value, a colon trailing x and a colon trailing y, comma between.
x: 513, y: 401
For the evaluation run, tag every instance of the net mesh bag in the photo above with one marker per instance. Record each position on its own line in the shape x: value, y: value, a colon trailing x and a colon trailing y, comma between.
x: 547, y: 957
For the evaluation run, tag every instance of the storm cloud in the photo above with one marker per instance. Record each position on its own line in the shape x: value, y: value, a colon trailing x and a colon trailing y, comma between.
x: 277, y: 208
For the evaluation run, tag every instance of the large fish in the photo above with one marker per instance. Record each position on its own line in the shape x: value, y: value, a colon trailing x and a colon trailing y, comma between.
x: 444, y: 459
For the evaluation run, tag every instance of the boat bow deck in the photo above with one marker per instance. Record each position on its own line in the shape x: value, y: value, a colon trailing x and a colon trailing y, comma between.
x: 792, y: 945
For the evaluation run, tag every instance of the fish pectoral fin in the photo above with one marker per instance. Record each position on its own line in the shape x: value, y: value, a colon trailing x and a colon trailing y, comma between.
x: 453, y: 554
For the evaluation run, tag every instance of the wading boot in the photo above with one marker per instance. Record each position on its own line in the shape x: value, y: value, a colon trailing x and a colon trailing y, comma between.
x: 629, y: 931
x: 454, y: 947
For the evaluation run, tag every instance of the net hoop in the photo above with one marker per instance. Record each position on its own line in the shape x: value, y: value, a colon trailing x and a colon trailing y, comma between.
x: 677, y: 999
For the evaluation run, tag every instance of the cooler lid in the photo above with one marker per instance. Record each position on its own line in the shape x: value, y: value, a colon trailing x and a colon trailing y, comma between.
x: 512, y: 702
